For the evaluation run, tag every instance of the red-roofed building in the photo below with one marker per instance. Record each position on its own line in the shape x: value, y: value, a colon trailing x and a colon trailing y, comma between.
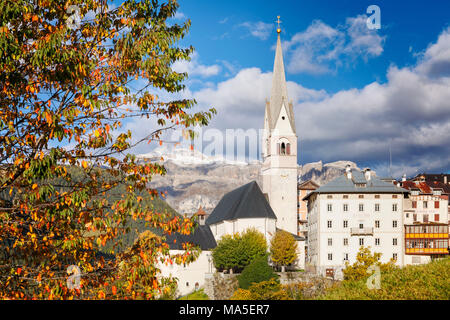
x: 426, y: 219
x: 202, y: 215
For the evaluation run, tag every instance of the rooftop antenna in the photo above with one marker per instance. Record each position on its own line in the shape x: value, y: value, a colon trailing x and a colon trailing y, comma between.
x: 390, y: 160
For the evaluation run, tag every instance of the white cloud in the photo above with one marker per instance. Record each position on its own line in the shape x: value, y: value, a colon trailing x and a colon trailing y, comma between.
x: 258, y: 29
x: 195, y: 68
x: 179, y: 15
x: 436, y: 59
x: 410, y: 112
x: 240, y: 101
x: 322, y: 48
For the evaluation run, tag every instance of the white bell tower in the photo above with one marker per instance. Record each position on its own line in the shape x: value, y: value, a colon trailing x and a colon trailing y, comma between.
x: 279, y: 149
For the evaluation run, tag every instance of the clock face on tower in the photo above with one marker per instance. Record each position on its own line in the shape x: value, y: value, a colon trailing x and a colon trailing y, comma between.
x: 284, y: 174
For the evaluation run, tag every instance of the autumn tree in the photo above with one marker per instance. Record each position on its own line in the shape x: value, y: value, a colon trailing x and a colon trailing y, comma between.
x: 72, y: 74
x: 364, y: 260
x: 283, y: 248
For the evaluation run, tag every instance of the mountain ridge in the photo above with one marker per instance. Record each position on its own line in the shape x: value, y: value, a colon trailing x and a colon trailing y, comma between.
x: 193, y: 179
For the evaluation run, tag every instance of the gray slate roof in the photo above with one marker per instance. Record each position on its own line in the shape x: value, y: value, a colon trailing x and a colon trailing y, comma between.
x: 247, y: 201
x: 202, y: 237
x: 344, y: 185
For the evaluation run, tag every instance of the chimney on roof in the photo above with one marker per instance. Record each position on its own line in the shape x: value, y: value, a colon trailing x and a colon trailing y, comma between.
x: 404, y: 177
x: 367, y: 174
x: 348, y: 171
x: 445, y: 179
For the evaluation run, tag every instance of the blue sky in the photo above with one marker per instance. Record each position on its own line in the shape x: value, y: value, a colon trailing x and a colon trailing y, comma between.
x: 217, y: 33
x: 355, y: 90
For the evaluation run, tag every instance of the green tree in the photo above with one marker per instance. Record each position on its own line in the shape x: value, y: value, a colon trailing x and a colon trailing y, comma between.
x: 252, y: 244
x: 66, y: 90
x: 257, y: 271
x: 283, y: 248
x: 239, y: 250
x: 224, y: 255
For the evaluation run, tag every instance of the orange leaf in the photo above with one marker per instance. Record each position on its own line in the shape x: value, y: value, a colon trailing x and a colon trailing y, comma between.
x: 19, y: 270
x: 84, y: 164
x: 114, y: 290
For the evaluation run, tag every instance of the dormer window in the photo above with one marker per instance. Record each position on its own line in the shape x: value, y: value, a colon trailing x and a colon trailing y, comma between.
x: 360, y: 185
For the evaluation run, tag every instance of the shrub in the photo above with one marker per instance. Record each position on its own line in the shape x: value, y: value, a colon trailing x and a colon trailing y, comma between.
x: 257, y: 271
x: 266, y: 290
x: 296, y: 291
x: 283, y: 248
x: 196, y: 295
x: 241, y: 294
x: 413, y: 282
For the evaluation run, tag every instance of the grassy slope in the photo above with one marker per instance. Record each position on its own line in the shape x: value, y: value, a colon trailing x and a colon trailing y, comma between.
x: 196, y: 295
x: 428, y: 281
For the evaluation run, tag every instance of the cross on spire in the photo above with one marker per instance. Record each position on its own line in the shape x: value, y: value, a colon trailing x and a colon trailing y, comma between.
x: 278, y: 21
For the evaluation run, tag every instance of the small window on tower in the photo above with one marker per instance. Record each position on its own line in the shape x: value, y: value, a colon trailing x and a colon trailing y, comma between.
x: 283, y: 148
x: 283, y: 117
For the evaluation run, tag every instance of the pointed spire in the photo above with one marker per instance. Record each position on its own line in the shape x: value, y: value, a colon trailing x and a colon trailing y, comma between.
x: 278, y: 95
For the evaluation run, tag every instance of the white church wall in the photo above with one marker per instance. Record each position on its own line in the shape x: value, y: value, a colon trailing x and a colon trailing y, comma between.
x: 190, y: 274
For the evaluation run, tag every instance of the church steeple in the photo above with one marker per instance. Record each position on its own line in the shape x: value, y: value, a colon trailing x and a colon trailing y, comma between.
x: 279, y: 149
x: 278, y: 94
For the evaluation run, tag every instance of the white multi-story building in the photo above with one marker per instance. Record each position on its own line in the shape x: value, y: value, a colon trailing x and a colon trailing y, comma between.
x: 354, y: 210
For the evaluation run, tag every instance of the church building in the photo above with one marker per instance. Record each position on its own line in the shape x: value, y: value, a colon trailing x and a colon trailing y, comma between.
x: 275, y: 206
x: 267, y: 208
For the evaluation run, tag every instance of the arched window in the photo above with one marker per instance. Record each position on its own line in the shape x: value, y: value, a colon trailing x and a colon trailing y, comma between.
x: 283, y: 148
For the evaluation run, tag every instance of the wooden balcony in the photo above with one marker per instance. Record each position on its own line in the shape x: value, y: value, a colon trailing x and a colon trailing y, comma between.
x: 426, y: 251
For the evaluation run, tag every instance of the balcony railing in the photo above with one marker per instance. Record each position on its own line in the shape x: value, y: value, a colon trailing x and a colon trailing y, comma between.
x: 361, y: 231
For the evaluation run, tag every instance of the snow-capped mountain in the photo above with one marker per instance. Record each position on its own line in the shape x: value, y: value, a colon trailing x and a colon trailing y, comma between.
x: 185, y: 156
x: 194, y: 179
